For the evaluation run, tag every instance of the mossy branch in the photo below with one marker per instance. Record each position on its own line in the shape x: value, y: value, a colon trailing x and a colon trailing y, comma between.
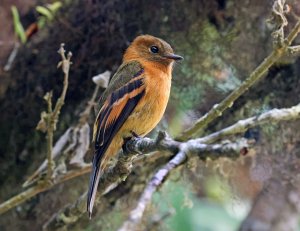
x: 283, y: 46
x: 272, y: 116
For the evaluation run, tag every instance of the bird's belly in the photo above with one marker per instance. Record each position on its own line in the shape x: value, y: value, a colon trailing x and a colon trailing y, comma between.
x: 147, y: 114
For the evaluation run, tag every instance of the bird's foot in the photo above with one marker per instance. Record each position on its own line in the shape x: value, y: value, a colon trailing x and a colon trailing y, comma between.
x: 127, y: 146
x: 134, y: 134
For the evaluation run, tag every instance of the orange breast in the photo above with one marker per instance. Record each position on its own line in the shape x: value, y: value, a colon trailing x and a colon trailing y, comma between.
x: 151, y: 108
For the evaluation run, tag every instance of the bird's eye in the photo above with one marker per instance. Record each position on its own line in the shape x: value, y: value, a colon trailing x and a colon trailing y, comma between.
x: 154, y: 49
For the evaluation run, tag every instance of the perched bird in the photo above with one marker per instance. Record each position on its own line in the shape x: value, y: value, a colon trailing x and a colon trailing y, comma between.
x: 133, y: 103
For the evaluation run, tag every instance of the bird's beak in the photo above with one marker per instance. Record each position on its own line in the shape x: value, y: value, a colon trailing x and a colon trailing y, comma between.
x: 173, y: 56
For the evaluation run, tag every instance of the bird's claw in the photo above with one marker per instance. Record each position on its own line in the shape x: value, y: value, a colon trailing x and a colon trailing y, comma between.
x: 125, y: 146
x: 134, y: 134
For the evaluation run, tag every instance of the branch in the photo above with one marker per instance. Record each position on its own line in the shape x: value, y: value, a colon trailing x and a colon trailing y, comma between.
x: 49, y: 120
x: 42, y: 186
x: 272, y: 116
x: 53, y: 115
x: 146, y: 145
x: 65, y: 65
x: 254, y: 77
x: 231, y: 150
x: 138, y: 147
x: 163, y: 142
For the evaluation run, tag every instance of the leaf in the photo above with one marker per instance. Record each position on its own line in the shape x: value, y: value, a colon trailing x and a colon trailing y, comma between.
x: 41, y: 22
x: 54, y: 7
x: 19, y: 29
x: 45, y: 12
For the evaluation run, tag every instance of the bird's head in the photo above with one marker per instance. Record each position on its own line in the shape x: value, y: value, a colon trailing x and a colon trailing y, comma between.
x: 151, y: 49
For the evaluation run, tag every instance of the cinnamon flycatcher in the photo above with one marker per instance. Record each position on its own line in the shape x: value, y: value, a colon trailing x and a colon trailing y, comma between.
x: 133, y: 103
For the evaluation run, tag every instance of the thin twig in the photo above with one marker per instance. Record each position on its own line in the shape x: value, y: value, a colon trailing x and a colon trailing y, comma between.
x: 12, y: 57
x: 49, y: 137
x: 65, y: 65
x: 52, y: 117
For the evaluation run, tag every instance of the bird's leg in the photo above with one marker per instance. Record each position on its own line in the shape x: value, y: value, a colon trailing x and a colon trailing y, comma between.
x: 126, y: 145
x: 134, y: 134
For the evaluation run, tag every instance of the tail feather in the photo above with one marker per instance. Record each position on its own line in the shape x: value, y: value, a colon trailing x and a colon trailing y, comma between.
x: 101, y: 156
x: 94, y: 181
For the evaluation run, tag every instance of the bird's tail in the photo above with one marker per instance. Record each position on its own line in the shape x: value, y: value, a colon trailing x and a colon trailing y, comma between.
x: 102, y: 155
x: 94, y: 181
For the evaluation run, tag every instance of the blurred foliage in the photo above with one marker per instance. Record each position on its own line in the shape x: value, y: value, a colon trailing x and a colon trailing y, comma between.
x: 19, y: 29
x: 198, y: 213
x: 47, y: 12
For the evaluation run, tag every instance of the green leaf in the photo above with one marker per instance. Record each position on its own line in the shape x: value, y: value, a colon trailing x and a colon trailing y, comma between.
x: 41, y: 22
x: 19, y: 29
x: 45, y: 12
x: 54, y: 7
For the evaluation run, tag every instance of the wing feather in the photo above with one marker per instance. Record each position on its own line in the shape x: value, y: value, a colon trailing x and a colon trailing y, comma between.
x: 113, y: 114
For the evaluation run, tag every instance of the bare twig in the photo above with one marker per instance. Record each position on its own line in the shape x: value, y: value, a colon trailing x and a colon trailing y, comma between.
x: 65, y: 64
x: 52, y: 117
x: 255, y: 76
x: 12, y: 57
x: 294, y: 50
x: 278, y: 17
x: 50, y: 129
x: 49, y: 119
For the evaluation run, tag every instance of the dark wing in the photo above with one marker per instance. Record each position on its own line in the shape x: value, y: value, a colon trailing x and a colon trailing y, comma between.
x: 122, y: 76
x: 114, y: 112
